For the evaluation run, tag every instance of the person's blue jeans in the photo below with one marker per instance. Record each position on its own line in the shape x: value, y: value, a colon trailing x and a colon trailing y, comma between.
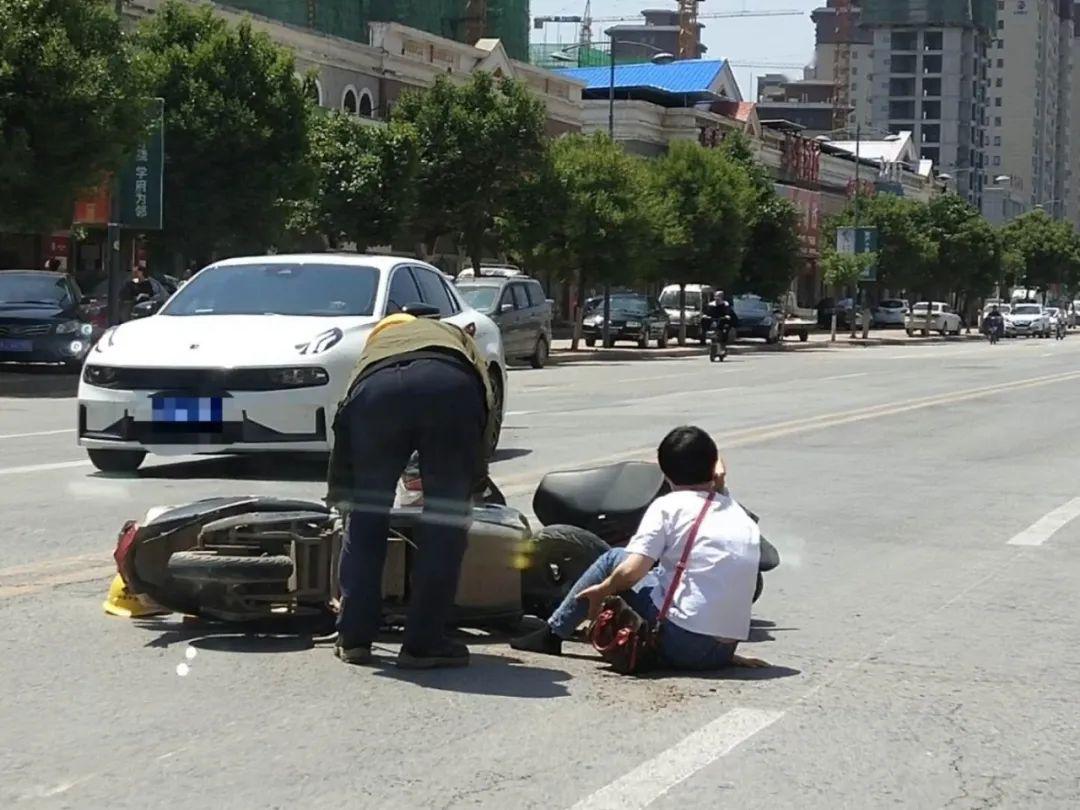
x: 679, y: 648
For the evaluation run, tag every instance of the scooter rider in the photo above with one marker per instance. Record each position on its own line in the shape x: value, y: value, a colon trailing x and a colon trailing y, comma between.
x: 994, y: 323
x: 721, y: 316
x: 421, y: 386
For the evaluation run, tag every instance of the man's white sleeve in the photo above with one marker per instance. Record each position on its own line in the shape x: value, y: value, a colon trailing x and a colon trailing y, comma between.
x: 652, y: 535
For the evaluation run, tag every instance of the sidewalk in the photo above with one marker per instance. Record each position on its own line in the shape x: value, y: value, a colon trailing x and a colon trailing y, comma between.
x: 819, y: 341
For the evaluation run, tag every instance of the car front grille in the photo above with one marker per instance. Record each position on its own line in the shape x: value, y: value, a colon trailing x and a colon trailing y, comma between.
x: 193, y: 380
x: 21, y: 330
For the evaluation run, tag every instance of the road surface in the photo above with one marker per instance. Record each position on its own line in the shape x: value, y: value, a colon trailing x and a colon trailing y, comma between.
x: 922, y: 628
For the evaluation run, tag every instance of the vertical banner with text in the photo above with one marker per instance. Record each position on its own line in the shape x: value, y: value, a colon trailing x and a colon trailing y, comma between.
x: 142, y: 180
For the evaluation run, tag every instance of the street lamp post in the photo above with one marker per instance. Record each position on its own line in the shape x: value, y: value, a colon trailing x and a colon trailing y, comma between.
x: 112, y: 231
x: 659, y: 57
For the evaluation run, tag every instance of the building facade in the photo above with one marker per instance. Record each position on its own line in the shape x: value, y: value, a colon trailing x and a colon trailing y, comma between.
x: 1031, y: 105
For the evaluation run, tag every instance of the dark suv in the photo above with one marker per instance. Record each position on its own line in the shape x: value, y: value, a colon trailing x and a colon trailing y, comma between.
x: 521, y: 310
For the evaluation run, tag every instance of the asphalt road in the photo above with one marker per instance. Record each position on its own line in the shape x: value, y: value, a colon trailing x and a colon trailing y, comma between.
x: 922, y: 628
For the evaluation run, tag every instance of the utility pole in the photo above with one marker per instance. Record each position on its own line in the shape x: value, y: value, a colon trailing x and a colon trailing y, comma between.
x: 856, y: 300
x: 112, y: 233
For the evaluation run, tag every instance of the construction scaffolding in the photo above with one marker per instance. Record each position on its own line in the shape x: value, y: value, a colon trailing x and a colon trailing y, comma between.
x: 506, y: 20
x: 978, y: 13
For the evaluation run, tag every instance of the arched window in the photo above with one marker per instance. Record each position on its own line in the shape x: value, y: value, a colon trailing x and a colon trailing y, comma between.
x: 366, y: 106
x: 348, y: 100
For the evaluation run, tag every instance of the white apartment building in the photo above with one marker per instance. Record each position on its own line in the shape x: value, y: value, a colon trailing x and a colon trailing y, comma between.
x: 1030, y: 110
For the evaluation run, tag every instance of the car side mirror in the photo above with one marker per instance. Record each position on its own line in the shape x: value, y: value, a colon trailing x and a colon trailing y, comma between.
x: 144, y: 309
x: 506, y: 308
x: 418, y: 310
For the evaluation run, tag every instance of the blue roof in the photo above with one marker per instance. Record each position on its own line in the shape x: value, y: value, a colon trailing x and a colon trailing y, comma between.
x: 682, y: 76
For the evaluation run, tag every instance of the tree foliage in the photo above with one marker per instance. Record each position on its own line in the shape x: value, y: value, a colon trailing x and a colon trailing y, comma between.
x: 71, y: 106
x: 476, y: 141
x: 605, y: 221
x: 704, y: 197
x: 968, y: 249
x: 844, y: 269
x: 772, y: 256
x: 236, y: 122
x: 364, y: 181
x: 1042, y: 251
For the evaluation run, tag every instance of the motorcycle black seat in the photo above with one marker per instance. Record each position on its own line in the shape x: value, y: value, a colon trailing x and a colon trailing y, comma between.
x: 608, y: 500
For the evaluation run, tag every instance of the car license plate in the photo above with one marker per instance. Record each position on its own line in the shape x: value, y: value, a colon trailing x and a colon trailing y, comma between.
x: 188, y: 410
x: 16, y: 345
x: 633, y: 324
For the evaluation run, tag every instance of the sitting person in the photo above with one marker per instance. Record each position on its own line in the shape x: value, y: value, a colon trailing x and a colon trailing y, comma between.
x: 710, y: 612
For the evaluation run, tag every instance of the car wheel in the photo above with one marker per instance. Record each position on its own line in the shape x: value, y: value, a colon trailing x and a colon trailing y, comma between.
x: 540, y: 354
x: 558, y: 557
x: 202, y: 566
x: 910, y: 333
x: 497, y: 390
x: 590, y: 342
x: 803, y: 337
x: 117, y: 461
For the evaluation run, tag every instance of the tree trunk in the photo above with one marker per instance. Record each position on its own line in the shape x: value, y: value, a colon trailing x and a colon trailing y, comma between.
x: 606, y: 333
x: 575, y: 342
x: 832, y: 337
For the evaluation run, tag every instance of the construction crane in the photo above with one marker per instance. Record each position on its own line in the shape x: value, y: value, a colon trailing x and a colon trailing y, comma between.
x: 689, y: 33
x: 841, y: 96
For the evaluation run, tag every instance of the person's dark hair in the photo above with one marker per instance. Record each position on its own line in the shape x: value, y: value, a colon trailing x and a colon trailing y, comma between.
x: 688, y: 456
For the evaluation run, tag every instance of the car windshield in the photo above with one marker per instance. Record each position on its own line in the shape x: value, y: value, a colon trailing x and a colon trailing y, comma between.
x: 33, y: 288
x: 1029, y: 309
x: 1003, y: 308
x: 479, y: 298
x: 751, y: 306
x: 921, y: 308
x: 669, y: 299
x: 629, y: 306
x: 1052, y: 311
x: 278, y: 288
x: 892, y: 303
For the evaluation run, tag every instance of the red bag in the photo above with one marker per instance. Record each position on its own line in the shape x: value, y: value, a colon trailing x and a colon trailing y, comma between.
x: 622, y: 637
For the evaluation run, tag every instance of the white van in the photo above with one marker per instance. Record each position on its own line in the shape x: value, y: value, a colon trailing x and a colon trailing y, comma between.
x: 697, y: 296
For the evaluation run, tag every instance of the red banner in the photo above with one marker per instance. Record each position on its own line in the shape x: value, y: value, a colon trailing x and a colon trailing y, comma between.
x: 93, y: 209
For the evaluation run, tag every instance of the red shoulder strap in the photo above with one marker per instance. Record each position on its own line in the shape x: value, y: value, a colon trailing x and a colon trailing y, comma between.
x: 677, y: 578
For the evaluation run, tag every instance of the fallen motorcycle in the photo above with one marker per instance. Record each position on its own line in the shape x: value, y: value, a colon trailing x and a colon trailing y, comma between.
x: 242, y: 559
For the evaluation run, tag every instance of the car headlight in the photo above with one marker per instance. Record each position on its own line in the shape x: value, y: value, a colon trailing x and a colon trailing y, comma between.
x: 301, y: 377
x: 71, y: 327
x: 101, y: 376
x: 321, y: 342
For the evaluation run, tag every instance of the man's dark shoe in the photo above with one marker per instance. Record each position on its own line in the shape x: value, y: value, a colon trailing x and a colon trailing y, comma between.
x: 446, y: 653
x: 360, y: 654
x: 539, y: 641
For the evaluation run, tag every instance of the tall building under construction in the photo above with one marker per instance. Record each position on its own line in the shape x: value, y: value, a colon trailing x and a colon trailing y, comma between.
x: 462, y: 20
x: 930, y: 68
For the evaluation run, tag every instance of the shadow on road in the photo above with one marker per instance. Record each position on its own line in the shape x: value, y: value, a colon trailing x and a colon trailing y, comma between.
x: 495, y: 675
x: 510, y: 453
x: 41, y: 382
x: 300, y: 468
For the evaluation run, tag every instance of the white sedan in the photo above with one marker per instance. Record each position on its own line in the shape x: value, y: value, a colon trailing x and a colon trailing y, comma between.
x: 254, y: 354
x: 941, y: 319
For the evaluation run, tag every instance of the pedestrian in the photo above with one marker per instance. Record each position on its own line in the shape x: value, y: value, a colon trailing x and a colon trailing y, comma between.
x: 710, y: 609
x: 421, y: 386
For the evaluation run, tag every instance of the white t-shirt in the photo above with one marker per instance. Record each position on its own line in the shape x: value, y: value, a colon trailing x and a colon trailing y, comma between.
x: 718, y: 584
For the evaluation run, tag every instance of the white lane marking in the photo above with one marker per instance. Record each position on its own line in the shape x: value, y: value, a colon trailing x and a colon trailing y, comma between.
x: 37, y: 433
x: 1045, y: 527
x: 652, y: 779
x: 841, y: 376
x: 34, y: 468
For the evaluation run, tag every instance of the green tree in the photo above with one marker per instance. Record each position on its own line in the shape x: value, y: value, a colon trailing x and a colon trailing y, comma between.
x: 531, y: 226
x: 71, y: 106
x: 476, y: 141
x: 705, y: 197
x: 967, y: 246
x: 606, y: 215
x: 772, y: 256
x: 1042, y: 251
x: 236, y: 122
x: 364, y: 175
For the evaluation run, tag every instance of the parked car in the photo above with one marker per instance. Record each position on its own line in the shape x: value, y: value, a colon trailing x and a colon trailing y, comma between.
x: 941, y: 319
x: 697, y: 297
x: 633, y: 317
x: 254, y: 354
x: 99, y: 301
x: 519, y: 308
x: 843, y: 309
x: 501, y: 270
x: 1074, y: 314
x: 1027, y: 319
x: 42, y: 319
x: 756, y: 318
x: 891, y: 312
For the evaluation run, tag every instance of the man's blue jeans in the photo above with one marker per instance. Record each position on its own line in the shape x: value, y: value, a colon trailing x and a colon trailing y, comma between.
x: 679, y: 649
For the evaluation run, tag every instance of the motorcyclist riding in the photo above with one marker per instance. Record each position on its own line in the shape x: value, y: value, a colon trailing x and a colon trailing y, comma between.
x: 721, y: 316
x: 994, y: 324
